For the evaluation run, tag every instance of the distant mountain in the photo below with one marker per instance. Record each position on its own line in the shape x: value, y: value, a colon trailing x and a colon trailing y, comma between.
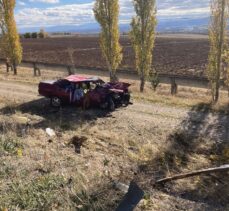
x: 164, y: 25
x: 85, y: 28
x: 184, y: 25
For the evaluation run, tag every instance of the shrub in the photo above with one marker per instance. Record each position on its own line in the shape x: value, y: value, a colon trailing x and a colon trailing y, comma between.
x: 27, y: 35
x: 42, y: 34
x: 34, y: 35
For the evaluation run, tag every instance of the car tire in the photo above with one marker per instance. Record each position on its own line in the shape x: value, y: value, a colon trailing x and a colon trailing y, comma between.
x: 55, y: 102
x: 111, y: 104
x: 104, y: 105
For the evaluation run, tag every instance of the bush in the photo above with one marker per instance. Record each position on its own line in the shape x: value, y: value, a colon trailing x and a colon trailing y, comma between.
x: 27, y: 35
x: 34, y: 35
x: 42, y: 34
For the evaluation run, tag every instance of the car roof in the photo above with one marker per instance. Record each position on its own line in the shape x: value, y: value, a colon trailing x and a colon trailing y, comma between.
x: 79, y: 78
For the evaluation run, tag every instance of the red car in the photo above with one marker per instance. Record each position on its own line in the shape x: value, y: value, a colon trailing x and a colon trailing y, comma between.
x: 85, y: 92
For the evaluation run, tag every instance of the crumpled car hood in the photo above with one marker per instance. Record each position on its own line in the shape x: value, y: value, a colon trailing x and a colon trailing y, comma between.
x: 117, y: 85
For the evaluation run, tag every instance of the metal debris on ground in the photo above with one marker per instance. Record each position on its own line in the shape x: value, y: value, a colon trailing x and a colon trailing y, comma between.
x: 50, y: 132
x: 132, y: 198
x: 120, y: 186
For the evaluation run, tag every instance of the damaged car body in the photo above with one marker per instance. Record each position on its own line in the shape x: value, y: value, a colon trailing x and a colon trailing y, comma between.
x: 85, y: 92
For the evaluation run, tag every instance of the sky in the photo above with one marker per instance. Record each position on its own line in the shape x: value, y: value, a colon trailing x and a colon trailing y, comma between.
x: 46, y: 13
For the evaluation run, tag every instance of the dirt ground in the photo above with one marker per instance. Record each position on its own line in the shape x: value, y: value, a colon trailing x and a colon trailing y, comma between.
x: 77, y: 168
x: 173, y: 54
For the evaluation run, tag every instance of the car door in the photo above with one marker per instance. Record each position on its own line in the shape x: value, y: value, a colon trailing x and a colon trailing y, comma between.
x: 63, y: 90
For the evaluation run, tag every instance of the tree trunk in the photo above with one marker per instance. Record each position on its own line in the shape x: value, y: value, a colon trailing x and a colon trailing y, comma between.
x: 173, y: 86
x: 219, y: 59
x: 36, y: 70
x: 216, y: 97
x: 69, y: 70
x: 39, y: 71
x: 142, y: 83
x: 7, y: 67
x: 113, y: 77
x: 15, y: 69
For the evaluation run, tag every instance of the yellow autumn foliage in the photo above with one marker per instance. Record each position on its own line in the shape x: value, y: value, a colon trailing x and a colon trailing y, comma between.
x: 10, y: 41
x: 106, y: 13
x: 217, y: 39
x: 142, y: 36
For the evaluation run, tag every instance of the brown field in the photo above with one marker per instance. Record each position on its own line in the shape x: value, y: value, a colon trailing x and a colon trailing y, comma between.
x: 159, y: 135
x: 186, y: 55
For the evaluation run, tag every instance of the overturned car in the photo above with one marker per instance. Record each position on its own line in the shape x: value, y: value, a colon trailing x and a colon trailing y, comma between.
x: 85, y: 92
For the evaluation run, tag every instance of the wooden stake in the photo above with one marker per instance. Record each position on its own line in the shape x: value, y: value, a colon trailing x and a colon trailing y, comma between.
x: 194, y: 173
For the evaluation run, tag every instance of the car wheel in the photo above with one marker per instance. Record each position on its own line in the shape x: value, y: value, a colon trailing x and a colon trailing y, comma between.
x: 55, y: 102
x: 104, y: 105
x: 111, y: 104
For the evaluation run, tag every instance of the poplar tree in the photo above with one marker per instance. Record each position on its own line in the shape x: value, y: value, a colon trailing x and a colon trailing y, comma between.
x: 107, y: 13
x: 142, y: 36
x: 217, y: 38
x: 226, y: 52
x: 226, y: 68
x: 10, y: 40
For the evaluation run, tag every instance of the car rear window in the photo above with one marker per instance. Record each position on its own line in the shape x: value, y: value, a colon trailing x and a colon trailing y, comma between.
x: 63, y: 83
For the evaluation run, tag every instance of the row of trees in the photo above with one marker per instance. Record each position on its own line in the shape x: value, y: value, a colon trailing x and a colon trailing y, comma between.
x: 142, y: 35
x: 42, y: 34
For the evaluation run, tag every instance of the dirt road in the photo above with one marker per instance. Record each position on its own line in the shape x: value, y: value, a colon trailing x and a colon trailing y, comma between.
x: 147, y: 116
x: 18, y: 91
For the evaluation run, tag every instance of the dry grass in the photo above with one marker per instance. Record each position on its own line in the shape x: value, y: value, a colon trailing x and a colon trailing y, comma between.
x: 187, y: 97
x: 43, y: 173
x: 25, y: 75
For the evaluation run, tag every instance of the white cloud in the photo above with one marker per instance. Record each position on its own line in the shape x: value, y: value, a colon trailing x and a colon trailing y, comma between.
x: 46, y: 1
x: 21, y: 3
x: 177, y: 12
x: 81, y: 13
x: 74, y: 14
